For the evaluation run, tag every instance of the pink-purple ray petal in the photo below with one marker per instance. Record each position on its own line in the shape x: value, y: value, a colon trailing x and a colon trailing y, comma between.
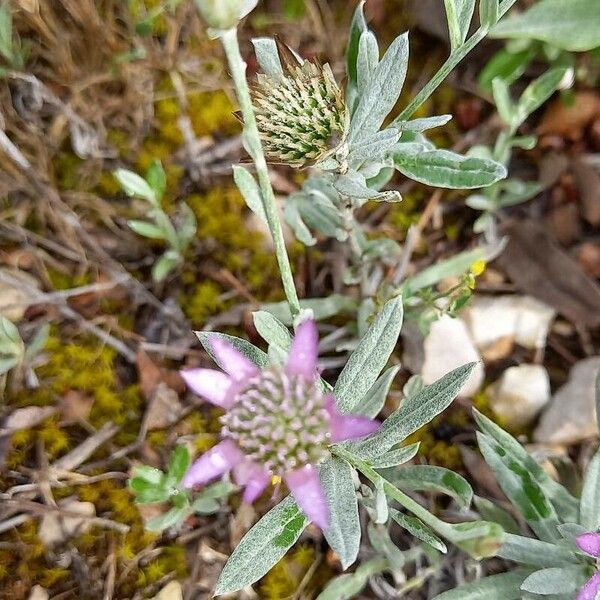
x: 302, y: 358
x: 253, y: 477
x: 591, y: 589
x: 233, y: 361
x: 305, y: 486
x: 348, y: 427
x: 212, y: 464
x: 211, y: 385
x: 590, y: 543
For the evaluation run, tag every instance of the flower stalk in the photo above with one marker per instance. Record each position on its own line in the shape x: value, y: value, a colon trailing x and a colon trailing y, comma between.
x: 237, y: 66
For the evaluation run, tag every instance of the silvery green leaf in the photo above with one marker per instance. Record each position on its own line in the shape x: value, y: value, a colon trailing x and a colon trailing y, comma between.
x: 492, y: 512
x: 572, y: 25
x: 343, y: 534
x: 479, y: 202
x: 357, y: 28
x: 418, y: 529
x: 413, y: 386
x: 275, y: 333
x: 262, y: 547
x: 368, y: 59
x: 443, y: 168
x: 506, y: 586
x: 157, y: 179
x: 414, y: 412
x: 383, y: 90
x: 535, y: 553
x: 590, y: 496
x: 10, y: 338
x: 525, y: 142
x: 503, y: 101
x: 346, y: 587
x: 459, y: 14
x: 507, y: 65
x: 384, y: 545
x: 555, y: 580
x: 598, y: 399
x: 6, y: 36
x: 480, y: 539
x: 268, y: 56
x: 373, y: 401
x: 6, y: 364
x: 489, y: 12
x: 37, y: 344
x: 165, y: 264
x: 188, y: 227
x: 483, y: 223
x: 479, y: 151
x: 293, y: 218
x: 537, y: 92
x: 250, y: 191
x: 353, y: 184
x: 145, y: 229
x: 381, y: 512
x: 421, y: 478
x: 382, y: 178
x: 172, y: 517
x: 370, y: 357
x: 134, y: 185
x: 393, y: 458
x: 374, y: 147
x: 205, y: 506
x: 566, y: 505
x: 150, y: 475
x: 521, y: 488
x: 322, y: 308
x: 257, y: 356
x: 515, y: 191
x: 420, y: 125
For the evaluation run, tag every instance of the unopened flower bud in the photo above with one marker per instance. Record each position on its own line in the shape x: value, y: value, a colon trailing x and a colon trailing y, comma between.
x: 224, y: 14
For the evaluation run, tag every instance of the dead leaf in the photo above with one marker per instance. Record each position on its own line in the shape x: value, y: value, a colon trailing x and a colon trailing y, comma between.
x: 538, y: 267
x: 26, y: 418
x: 164, y: 409
x: 56, y: 529
x: 171, y: 591
x: 14, y: 299
x: 151, y: 375
x: 570, y: 119
x: 75, y: 406
x: 38, y: 593
x: 588, y: 182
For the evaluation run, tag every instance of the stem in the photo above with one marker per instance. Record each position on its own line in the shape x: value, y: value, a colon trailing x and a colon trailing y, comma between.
x: 455, y: 57
x: 254, y: 147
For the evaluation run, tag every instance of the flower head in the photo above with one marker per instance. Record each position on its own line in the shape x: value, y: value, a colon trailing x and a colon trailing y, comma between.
x: 590, y: 544
x: 279, y: 423
x: 301, y: 115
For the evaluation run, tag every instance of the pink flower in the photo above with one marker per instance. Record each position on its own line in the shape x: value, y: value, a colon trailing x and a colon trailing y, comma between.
x: 590, y: 544
x: 279, y: 423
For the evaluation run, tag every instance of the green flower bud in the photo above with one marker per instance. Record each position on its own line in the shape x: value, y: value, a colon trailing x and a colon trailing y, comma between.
x: 302, y: 117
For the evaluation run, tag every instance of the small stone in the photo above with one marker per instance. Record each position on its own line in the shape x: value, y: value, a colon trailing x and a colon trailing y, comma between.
x: 447, y: 347
x: 571, y: 416
x: 519, y: 395
x: 520, y: 318
x: 38, y: 593
x: 56, y: 529
x: 171, y: 591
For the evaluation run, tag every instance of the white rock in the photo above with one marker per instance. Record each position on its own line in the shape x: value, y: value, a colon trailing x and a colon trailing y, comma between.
x: 519, y: 395
x: 56, y: 529
x: 571, y: 416
x: 171, y: 591
x: 447, y: 347
x: 38, y: 593
x: 521, y: 318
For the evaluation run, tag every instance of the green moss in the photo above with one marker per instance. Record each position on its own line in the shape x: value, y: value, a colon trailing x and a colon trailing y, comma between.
x: 202, y: 302
x: 283, y: 580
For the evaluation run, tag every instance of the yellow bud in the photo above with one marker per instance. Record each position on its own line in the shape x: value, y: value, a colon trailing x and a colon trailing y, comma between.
x: 478, y: 267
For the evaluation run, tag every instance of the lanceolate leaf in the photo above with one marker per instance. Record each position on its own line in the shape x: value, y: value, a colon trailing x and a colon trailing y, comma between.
x: 535, y: 553
x: 555, y: 580
x: 442, y: 168
x: 267, y: 56
x: 257, y: 356
x: 262, y: 547
x: 417, y: 528
x: 383, y: 90
x: 568, y: 24
x: 438, y: 479
x: 393, y: 458
x: 250, y: 191
x: 373, y: 401
x: 414, y: 413
x: 506, y: 586
x: 590, y: 496
x: 369, y: 358
x: 357, y: 28
x: 343, y: 535
x: 459, y: 14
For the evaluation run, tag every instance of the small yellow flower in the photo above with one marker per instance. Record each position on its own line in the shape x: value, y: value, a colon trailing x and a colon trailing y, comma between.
x: 478, y: 267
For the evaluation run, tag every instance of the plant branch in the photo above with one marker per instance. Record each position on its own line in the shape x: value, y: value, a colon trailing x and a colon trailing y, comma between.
x: 254, y: 147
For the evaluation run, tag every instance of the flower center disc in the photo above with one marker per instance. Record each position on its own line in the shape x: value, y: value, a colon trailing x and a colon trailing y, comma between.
x: 279, y: 421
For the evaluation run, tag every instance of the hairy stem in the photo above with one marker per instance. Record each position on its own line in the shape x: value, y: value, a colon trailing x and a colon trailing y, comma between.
x: 254, y: 147
x: 453, y: 60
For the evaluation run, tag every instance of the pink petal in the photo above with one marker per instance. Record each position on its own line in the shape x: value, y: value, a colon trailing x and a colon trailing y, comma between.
x: 348, y: 427
x: 305, y: 485
x: 209, y: 384
x: 590, y: 543
x: 233, y: 361
x: 591, y: 589
x: 212, y: 464
x: 254, y: 477
x: 302, y: 359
